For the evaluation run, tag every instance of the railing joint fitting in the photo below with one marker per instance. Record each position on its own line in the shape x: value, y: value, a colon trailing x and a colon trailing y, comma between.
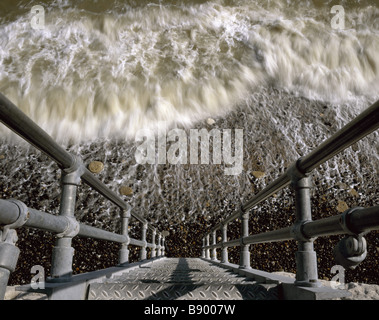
x: 242, y: 241
x: 9, y: 253
x: 297, y: 231
x: 23, y: 216
x: 244, y: 215
x: 127, y: 241
x: 297, y: 176
x: 345, y: 223
x: 73, y: 228
x: 72, y: 175
x: 352, y: 249
x: 126, y: 213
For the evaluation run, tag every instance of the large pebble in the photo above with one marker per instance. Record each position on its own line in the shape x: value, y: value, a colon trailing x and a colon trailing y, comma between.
x: 258, y: 174
x: 342, y: 206
x: 96, y: 166
x: 126, y: 191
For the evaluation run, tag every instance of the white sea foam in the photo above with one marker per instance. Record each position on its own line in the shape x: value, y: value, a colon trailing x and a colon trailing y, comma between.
x: 90, y: 74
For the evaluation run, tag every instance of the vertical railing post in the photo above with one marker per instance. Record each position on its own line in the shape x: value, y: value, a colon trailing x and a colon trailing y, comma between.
x: 214, y: 250
x: 159, y: 247
x: 63, y: 252
x: 142, y: 253
x: 203, y: 249
x: 9, y: 253
x: 207, y: 255
x: 224, y: 252
x: 306, y: 260
x: 153, y: 249
x: 244, y: 253
x: 123, y: 256
x: 163, y: 247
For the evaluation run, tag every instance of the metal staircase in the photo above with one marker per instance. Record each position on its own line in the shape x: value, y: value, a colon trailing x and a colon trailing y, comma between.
x: 181, y: 279
x: 155, y: 277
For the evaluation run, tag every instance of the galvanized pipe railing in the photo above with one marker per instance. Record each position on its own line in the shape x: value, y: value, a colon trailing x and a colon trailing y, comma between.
x: 354, y: 222
x: 364, y: 124
x: 13, y: 210
x: 361, y: 220
x: 22, y: 125
x: 15, y: 214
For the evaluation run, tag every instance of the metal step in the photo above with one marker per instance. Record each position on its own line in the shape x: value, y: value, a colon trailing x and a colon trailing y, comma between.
x: 166, y: 291
x: 181, y: 279
x: 174, y: 275
x: 190, y: 280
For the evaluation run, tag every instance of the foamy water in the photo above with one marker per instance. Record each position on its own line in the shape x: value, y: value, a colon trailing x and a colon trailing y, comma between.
x: 107, y: 70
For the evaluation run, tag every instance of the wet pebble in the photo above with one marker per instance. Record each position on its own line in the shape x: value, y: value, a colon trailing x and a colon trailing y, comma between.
x: 126, y: 191
x: 342, y: 206
x: 258, y: 174
x: 96, y: 166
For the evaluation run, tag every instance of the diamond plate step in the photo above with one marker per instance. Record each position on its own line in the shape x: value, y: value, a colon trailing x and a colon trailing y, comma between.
x: 181, y: 279
x: 156, y: 273
x: 165, y: 291
x: 200, y: 279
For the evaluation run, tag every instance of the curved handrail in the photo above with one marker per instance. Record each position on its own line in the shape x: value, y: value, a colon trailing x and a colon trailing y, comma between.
x: 20, y: 123
x: 15, y: 214
x: 364, y: 124
x: 354, y: 222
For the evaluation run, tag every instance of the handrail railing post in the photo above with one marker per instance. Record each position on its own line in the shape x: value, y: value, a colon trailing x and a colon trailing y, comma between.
x: 214, y: 250
x: 142, y: 253
x: 63, y: 252
x: 224, y: 252
x: 244, y: 253
x: 159, y: 247
x: 9, y: 253
x: 203, y: 249
x: 163, y: 247
x: 207, y: 255
x: 153, y: 249
x: 306, y: 260
x: 123, y: 256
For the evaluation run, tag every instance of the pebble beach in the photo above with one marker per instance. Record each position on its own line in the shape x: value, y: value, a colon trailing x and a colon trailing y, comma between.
x: 31, y: 177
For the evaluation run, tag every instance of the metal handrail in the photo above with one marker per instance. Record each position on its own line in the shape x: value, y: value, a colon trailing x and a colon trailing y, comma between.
x: 364, y: 124
x: 10, y: 213
x: 354, y: 222
x: 58, y: 224
x: 20, y: 123
x: 15, y: 214
x: 361, y: 219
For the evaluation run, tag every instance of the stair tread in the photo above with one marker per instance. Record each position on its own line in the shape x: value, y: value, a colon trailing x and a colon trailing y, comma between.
x: 180, y: 291
x: 181, y: 279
